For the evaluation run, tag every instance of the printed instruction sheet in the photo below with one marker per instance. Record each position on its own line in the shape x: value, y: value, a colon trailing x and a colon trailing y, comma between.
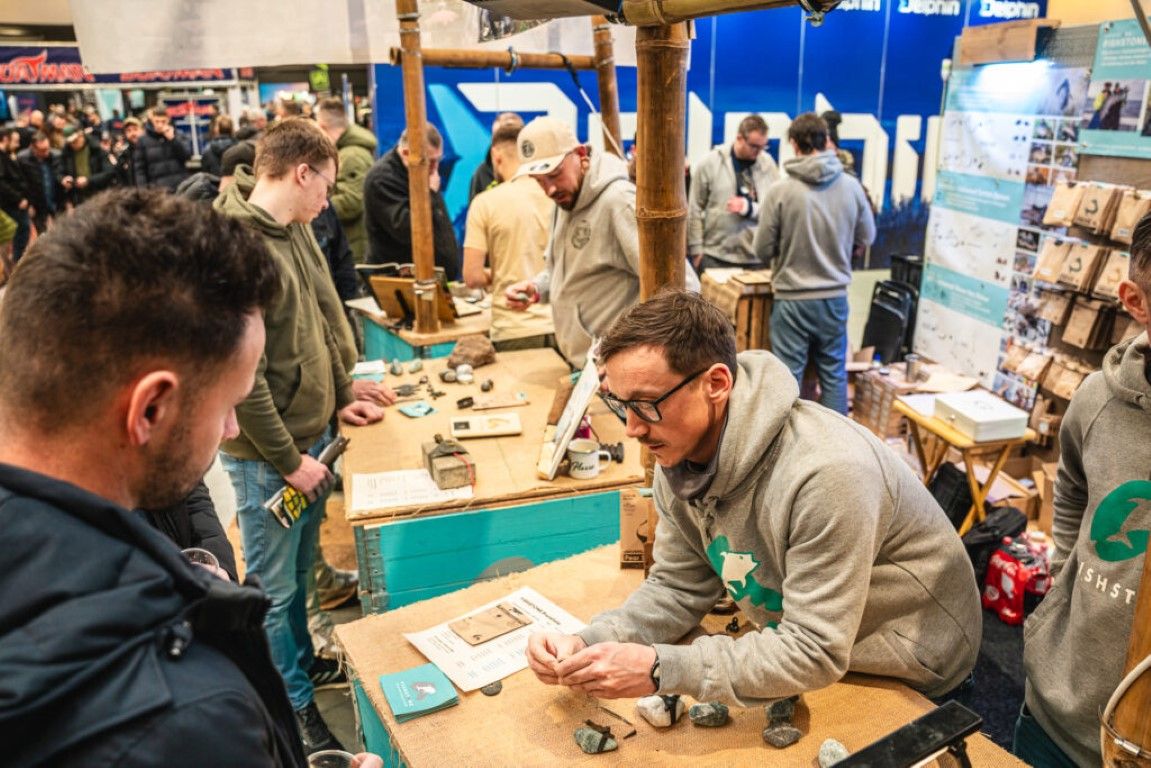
x: 402, y: 488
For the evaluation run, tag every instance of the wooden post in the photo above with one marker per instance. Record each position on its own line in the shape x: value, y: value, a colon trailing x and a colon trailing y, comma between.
x: 415, y: 113
x: 1132, y: 720
x: 466, y: 59
x: 608, y: 89
x: 661, y: 201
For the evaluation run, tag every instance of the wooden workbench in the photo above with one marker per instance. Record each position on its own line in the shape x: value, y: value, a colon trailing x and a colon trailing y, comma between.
x: 384, y: 341
x: 531, y: 724
x: 514, y: 520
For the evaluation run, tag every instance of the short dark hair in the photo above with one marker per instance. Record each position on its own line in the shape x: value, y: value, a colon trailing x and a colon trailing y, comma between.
x: 243, y: 152
x: 289, y: 143
x: 331, y: 110
x: 809, y: 132
x: 431, y: 136
x: 752, y: 124
x: 833, y: 119
x: 1139, y: 269
x: 692, y: 332
x: 159, y: 111
x: 131, y: 277
x: 223, y: 125
x: 508, y: 132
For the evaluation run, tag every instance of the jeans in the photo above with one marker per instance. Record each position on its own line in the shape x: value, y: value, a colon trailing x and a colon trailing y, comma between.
x: 815, y: 328
x: 282, y: 559
x: 1034, y: 747
x: 23, y: 232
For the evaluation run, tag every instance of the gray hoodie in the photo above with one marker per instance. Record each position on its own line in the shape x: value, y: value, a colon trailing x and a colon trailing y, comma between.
x: 711, y: 230
x: 808, y: 225
x: 592, y: 272
x: 1075, y: 643
x: 828, y: 542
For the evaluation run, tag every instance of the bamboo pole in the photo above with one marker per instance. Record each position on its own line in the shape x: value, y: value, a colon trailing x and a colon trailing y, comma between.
x: 415, y: 113
x: 644, y: 13
x: 608, y: 89
x: 464, y: 59
x: 661, y: 202
x: 1132, y: 720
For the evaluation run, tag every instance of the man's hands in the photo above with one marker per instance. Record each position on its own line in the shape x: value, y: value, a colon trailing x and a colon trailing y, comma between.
x: 434, y: 180
x: 738, y: 204
x: 311, y: 478
x: 361, y: 413
x: 515, y: 295
x: 606, y: 670
x: 371, y: 392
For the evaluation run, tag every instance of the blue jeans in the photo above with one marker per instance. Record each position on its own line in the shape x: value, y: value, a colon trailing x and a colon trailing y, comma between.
x: 23, y: 232
x: 1033, y: 746
x: 281, y: 558
x: 814, y: 328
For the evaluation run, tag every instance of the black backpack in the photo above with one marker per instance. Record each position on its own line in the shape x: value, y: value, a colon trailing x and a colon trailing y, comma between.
x: 983, y: 538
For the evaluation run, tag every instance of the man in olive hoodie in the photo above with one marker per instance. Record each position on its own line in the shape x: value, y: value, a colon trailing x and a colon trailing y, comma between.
x: 809, y: 224
x: 357, y: 150
x: 1075, y: 644
x: 826, y: 540
x: 300, y: 382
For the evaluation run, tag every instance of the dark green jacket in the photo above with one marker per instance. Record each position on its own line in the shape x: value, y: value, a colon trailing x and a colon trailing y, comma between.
x: 302, y: 378
x: 357, y: 149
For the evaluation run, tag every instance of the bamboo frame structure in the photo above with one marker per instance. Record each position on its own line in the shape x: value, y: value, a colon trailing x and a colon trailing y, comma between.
x: 608, y: 88
x: 661, y: 201
x: 419, y: 192
x: 645, y: 13
x: 507, y: 60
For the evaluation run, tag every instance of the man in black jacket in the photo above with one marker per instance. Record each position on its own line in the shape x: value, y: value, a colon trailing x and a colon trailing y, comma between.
x: 13, y: 194
x: 83, y: 168
x: 45, y: 198
x: 388, y: 212
x: 114, y: 650
x: 160, y: 155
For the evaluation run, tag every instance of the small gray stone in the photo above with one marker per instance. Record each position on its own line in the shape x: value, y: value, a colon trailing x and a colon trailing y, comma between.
x: 831, y: 752
x: 660, y: 711
x: 448, y: 376
x: 781, y: 709
x: 416, y: 366
x: 593, y: 742
x: 710, y: 715
x: 783, y: 735
x: 492, y: 689
x: 397, y: 368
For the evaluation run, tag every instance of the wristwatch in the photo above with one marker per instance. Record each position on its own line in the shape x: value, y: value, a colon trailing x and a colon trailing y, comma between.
x: 655, y: 670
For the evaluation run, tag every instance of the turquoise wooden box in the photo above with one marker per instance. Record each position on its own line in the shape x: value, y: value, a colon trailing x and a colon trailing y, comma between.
x: 382, y: 344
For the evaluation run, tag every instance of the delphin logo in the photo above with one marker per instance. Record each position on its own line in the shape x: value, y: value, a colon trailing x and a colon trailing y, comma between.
x: 527, y: 149
x: 1114, y: 538
x: 735, y: 569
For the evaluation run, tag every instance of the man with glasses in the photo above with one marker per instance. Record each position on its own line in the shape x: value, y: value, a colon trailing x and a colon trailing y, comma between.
x: 592, y: 257
x: 827, y: 541
x: 302, y: 380
x: 727, y: 186
x: 388, y: 211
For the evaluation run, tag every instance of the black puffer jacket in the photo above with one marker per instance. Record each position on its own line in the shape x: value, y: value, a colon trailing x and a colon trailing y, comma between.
x: 193, y: 522
x: 114, y: 650
x: 388, y: 217
x: 214, y: 153
x: 159, y: 162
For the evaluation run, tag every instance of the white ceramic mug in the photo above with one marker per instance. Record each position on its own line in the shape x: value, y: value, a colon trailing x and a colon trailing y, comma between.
x: 584, y: 457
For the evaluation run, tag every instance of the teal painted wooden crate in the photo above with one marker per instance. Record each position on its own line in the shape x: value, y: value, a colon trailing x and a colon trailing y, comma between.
x: 405, y: 561
x: 382, y: 344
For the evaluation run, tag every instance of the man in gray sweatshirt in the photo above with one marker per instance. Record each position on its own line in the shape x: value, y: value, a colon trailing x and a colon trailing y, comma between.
x: 592, y: 257
x: 808, y: 225
x: 1075, y: 643
x: 826, y: 540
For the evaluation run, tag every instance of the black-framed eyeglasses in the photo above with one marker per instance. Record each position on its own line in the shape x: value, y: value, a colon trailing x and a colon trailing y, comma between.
x: 331, y: 184
x: 647, y: 410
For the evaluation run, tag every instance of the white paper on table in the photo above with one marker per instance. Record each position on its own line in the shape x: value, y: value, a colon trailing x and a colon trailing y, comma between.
x: 366, y: 304
x: 921, y: 404
x: 474, y: 666
x: 402, y: 488
x: 369, y: 368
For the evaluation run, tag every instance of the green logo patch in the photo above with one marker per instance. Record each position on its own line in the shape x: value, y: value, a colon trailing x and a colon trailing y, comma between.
x: 735, y: 569
x: 1114, y: 538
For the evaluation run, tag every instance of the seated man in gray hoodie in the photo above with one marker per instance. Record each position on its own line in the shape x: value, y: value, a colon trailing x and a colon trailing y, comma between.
x: 809, y: 223
x: 1076, y: 641
x: 825, y: 539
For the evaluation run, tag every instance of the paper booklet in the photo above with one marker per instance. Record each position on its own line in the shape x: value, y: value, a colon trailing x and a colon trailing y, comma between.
x: 490, y: 642
x: 418, y: 691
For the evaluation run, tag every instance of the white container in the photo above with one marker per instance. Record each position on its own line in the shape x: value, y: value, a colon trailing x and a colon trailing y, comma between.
x: 981, y: 415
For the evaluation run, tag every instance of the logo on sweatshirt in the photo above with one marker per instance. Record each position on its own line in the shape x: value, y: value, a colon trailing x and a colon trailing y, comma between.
x: 735, y: 569
x: 581, y: 234
x: 1112, y: 529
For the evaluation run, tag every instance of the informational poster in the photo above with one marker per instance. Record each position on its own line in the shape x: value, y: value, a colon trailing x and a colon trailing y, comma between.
x: 1009, y: 133
x: 1115, y: 119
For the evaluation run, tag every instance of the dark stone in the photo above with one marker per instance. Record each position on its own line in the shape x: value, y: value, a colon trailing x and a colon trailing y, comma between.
x: 710, y: 715
x: 782, y: 735
x: 594, y: 742
x: 492, y: 689
x: 781, y: 709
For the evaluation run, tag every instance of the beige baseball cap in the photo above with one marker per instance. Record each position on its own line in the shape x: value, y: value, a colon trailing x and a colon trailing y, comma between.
x: 543, y: 144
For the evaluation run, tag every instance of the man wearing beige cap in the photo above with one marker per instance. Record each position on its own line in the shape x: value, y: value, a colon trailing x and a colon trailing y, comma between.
x: 592, y: 259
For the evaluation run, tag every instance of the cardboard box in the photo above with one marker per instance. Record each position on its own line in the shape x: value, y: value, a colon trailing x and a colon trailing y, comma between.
x: 1046, y: 484
x: 636, y: 513
x: 875, y: 395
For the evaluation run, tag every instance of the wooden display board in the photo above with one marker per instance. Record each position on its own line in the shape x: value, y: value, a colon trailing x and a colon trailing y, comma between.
x: 505, y: 466
x: 530, y: 723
